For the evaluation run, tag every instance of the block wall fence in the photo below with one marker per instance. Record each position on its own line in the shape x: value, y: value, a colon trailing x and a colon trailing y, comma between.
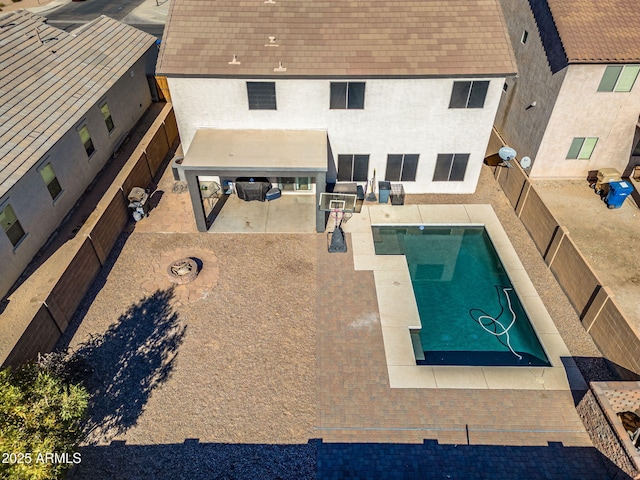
x: 616, y: 337
x: 39, y: 311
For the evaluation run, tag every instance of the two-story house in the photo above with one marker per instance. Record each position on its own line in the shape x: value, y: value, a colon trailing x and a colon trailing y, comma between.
x: 574, y: 105
x: 308, y: 93
x: 67, y: 101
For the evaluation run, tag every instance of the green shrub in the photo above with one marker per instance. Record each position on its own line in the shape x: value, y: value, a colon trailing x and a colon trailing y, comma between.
x: 40, y: 414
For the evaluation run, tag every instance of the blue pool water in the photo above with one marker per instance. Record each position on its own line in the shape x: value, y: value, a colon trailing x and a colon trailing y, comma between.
x: 469, y: 311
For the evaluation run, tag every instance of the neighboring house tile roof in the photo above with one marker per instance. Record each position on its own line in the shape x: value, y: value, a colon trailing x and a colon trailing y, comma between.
x: 50, y: 78
x: 598, y: 31
x: 334, y: 38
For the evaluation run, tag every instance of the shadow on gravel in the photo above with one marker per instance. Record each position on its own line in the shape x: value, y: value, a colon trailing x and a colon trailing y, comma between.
x: 192, y: 460
x: 127, y: 362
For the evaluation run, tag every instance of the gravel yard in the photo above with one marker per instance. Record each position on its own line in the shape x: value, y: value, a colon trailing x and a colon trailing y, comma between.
x: 228, y: 362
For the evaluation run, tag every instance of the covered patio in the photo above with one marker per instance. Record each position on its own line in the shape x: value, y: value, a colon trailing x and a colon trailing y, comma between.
x: 274, y: 154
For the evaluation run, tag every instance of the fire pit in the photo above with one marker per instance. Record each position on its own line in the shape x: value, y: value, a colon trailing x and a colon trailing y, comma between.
x: 183, y: 271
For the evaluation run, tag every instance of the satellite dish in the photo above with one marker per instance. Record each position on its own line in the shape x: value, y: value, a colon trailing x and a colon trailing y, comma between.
x: 525, y: 162
x: 507, y: 153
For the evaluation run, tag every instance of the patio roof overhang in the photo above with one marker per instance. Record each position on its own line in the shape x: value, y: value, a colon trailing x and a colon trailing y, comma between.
x: 255, y: 153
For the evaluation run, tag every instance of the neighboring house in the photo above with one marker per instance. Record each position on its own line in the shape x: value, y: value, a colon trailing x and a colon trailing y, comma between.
x: 408, y: 89
x: 575, y: 103
x: 67, y: 101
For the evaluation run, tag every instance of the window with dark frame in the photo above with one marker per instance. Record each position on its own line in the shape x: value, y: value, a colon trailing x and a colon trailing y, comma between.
x: 450, y: 167
x: 347, y: 95
x: 525, y: 36
x: 469, y: 94
x: 86, y: 140
x: 106, y: 114
x: 50, y: 180
x: 353, y: 168
x: 401, y: 167
x: 11, y: 225
x: 262, y: 95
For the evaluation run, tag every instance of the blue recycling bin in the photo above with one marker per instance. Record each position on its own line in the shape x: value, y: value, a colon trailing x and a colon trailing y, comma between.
x: 618, y: 191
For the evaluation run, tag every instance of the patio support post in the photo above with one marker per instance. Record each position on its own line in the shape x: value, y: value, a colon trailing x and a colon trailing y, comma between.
x: 321, y: 186
x: 196, y: 200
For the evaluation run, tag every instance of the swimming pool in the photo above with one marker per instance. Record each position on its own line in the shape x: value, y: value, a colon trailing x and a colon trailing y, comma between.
x: 468, y: 308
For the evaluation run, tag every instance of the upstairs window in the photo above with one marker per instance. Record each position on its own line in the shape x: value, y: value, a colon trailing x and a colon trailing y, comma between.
x: 469, y: 94
x: 582, y: 148
x: 50, y: 180
x: 353, y: 168
x: 11, y: 225
x: 402, y: 167
x: 86, y: 140
x: 619, y: 78
x: 262, y: 95
x: 450, y: 167
x: 106, y: 114
x: 347, y: 95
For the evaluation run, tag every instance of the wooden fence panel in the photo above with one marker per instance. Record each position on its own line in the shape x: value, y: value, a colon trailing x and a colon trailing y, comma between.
x: 163, y: 88
x: 574, y: 275
x: 171, y: 125
x: 40, y: 336
x: 512, y: 182
x: 538, y: 220
x: 107, y: 222
x: 73, y: 284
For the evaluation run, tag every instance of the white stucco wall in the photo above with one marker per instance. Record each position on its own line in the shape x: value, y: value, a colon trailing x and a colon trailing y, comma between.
x: 36, y: 211
x: 400, y: 116
x: 582, y: 111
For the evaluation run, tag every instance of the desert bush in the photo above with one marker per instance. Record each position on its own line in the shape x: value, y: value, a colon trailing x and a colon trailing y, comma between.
x: 40, y: 422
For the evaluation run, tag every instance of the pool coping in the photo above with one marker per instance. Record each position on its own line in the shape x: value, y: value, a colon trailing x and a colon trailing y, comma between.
x: 399, y: 312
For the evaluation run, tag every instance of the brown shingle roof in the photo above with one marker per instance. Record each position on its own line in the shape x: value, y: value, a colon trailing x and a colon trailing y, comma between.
x: 50, y: 78
x: 336, y: 38
x: 598, y: 31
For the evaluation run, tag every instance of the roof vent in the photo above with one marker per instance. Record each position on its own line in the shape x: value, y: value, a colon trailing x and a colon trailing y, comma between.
x: 272, y: 42
x: 280, y: 68
x: 234, y: 61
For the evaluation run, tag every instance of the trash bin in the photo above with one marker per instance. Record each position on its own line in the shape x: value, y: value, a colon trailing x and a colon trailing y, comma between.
x: 397, y: 194
x: 605, y: 175
x: 384, y: 190
x: 618, y: 191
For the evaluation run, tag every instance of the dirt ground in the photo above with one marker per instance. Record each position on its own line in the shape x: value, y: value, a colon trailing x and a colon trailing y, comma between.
x: 607, y: 238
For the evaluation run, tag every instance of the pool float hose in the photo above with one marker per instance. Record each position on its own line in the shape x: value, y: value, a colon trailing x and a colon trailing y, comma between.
x: 494, y: 322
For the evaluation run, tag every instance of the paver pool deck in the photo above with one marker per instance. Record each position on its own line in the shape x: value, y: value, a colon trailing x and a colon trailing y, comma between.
x: 281, y: 343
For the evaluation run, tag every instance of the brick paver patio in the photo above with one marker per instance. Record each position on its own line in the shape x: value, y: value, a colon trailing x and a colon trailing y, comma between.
x: 355, y: 402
